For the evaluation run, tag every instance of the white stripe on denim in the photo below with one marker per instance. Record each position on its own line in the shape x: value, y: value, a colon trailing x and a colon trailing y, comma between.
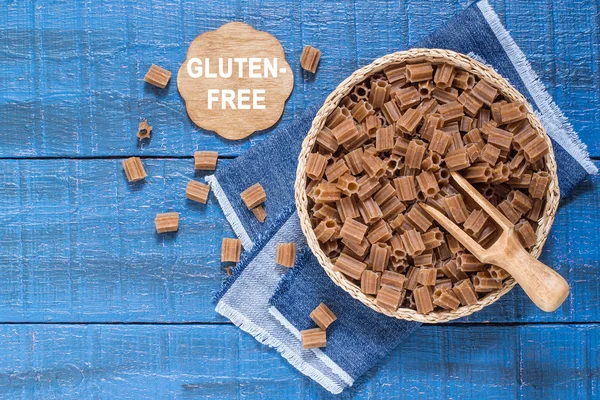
x: 318, y: 352
x: 230, y: 214
x: 556, y: 124
x: 246, y: 304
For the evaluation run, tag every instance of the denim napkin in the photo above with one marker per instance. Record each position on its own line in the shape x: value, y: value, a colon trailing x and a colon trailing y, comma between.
x: 274, y: 309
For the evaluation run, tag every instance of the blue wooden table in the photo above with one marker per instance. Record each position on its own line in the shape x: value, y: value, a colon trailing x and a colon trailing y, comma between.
x: 93, y: 304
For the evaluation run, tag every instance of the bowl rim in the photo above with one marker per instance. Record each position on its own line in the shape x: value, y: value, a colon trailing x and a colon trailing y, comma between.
x: 435, y: 56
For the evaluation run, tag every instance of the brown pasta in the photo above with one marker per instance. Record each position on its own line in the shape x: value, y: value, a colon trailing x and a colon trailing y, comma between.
x: 405, y: 188
x: 347, y: 208
x: 309, y: 59
x: 526, y: 234
x: 323, y: 316
x: 427, y: 183
x: 452, y: 111
x: 315, y: 166
x: 197, y: 191
x: 348, y: 184
x: 391, y: 112
x: 338, y: 116
x: 509, y: 212
x: 409, y: 121
x: 478, y: 173
x: 457, y: 159
x: 369, y: 211
x: 389, y: 297
x: 325, y: 230
x: 134, y: 169
x: 380, y: 92
x: 254, y: 196
x: 536, y: 210
x: 423, y: 300
x: 313, y: 338
x: 393, y: 279
x: 231, y: 250
x: 415, y: 153
x: 286, y: 254
x: 345, y: 132
x: 426, y: 276
x: 260, y: 213
x: 373, y: 166
x: 369, y: 282
x: 144, y: 130
x: 407, y: 98
x: 446, y: 299
x: 157, y: 76
x: 512, y: 112
x: 463, y: 80
x: 475, y: 223
x: 536, y: 149
x: 444, y: 76
x: 349, y: 266
x: 380, y: 232
x: 470, y: 102
x: 483, y: 282
x: 484, y: 92
x: 432, y: 239
x: 465, y: 292
x: 520, y: 201
x: 379, y: 256
x: 419, y: 72
x: 205, y: 160
x: 362, y: 110
x: 353, y: 230
x: 167, y: 222
x: 456, y: 208
x: 413, y: 243
x: 391, y: 208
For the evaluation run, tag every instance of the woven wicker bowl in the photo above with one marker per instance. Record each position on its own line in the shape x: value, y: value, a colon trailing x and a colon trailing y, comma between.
x: 434, y: 56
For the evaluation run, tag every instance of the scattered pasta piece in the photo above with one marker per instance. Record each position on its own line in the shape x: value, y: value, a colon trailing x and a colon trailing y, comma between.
x: 231, y: 250
x: 254, y: 196
x: 205, y: 160
x: 322, y: 316
x: 167, y: 222
x: 197, y: 191
x: 144, y: 130
x: 286, y: 254
x: 157, y: 76
x: 134, y: 169
x: 260, y: 213
x: 309, y: 60
x: 313, y: 338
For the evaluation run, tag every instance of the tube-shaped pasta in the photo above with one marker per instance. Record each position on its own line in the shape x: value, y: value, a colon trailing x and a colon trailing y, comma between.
x: 536, y: 149
x: 444, y: 96
x: 424, y: 260
x: 539, y: 184
x: 309, y: 59
x: 325, y: 230
x: 497, y: 273
x: 335, y: 170
x: 407, y: 97
x: 367, y: 187
x: 498, y: 137
x: 205, y: 160
x: 390, y: 111
x: 389, y: 297
x: 384, y: 138
x: 395, y: 73
x: 469, y: 263
x: 326, y: 192
x: 465, y: 124
x: 452, y: 111
x: 373, y: 166
x: 431, y: 122
x: 445, y: 298
x: 509, y: 212
x: 326, y: 140
x: 380, y: 231
x: 354, y: 161
x: 520, y: 201
x: 474, y: 136
x: 473, y: 152
x: 432, y: 239
x: 286, y: 254
x: 484, y: 92
x: 457, y: 159
x: 489, y: 154
x: 522, y: 138
x: 391, y: 208
x: 413, y: 243
x: 337, y: 116
x: 500, y: 173
x: 358, y: 140
x: 386, y: 192
x: 345, y: 132
x: 355, y: 249
x: 478, y: 173
x: 456, y: 208
x: 425, y: 89
x: 495, y: 109
x: 415, y: 153
x: 419, y: 218
x: 347, y: 208
x: 349, y: 266
x: 431, y: 162
x: 348, y: 184
x: 254, y: 195
x: 401, y: 146
x: 450, y: 269
x: 444, y: 75
x: 379, y: 256
x: 322, y: 211
x: 423, y: 300
x: 427, y: 183
x: 369, y: 211
x: 371, y: 125
x: 475, y: 223
x: 526, y: 234
x: 512, y: 112
x: 426, y: 276
x: 369, y: 282
x: 483, y: 282
x: 443, y: 176
x: 470, y: 102
x: 419, y: 72
x: 465, y: 292
x: 353, y: 230
x: 405, y: 188
x: 393, y: 279
x: 463, y: 80
x: 380, y: 91
x: 361, y: 110
x: 231, y: 250
x: 409, y: 121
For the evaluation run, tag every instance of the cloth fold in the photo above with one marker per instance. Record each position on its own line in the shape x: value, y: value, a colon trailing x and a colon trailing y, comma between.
x: 275, y: 310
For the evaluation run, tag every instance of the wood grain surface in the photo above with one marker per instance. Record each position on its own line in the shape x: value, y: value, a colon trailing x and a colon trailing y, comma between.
x: 94, y: 304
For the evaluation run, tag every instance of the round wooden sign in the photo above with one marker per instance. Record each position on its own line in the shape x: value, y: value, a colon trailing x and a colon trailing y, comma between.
x: 235, y: 80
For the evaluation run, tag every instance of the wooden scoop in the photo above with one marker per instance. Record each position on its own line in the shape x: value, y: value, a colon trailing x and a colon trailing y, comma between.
x: 544, y: 286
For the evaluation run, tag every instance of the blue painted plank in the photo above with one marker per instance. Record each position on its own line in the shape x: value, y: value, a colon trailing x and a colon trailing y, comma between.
x: 218, y: 362
x: 78, y: 244
x: 71, y: 77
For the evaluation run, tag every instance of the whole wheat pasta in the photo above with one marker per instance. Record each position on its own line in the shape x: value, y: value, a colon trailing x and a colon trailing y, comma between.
x: 445, y: 298
x: 286, y: 254
x: 393, y: 279
x: 411, y: 278
x: 483, y: 283
x: 386, y: 192
x: 384, y: 138
x: 349, y: 266
x: 205, y: 160
x: 443, y: 176
x: 396, y: 223
x: 469, y: 263
x: 347, y: 208
x: 231, y: 250
x: 313, y: 338
x: 348, y: 184
x: 405, y: 188
x: 520, y: 201
x: 457, y: 208
x: 413, y: 243
x: 157, y: 76
x: 489, y: 154
x: 474, y: 137
x: 452, y: 111
x: 379, y: 256
x: 260, y: 213
x: 407, y: 98
x: 380, y: 92
x: 465, y: 124
x: 197, y: 191
x: 526, y: 234
x: 465, y: 292
x: 439, y: 142
x: 354, y: 160
x: 325, y: 230
x: 478, y: 173
x: 431, y: 162
x: 254, y: 196
x: 361, y: 110
x: 427, y: 183
x: 520, y: 182
x: 500, y: 173
x: 333, y: 171
x: 509, y: 212
x: 456, y: 160
x: 495, y: 109
x: 415, y: 153
x: 423, y: 300
x: 337, y: 116
x: 315, y: 166
x: 371, y: 125
x: 535, y: 149
x: 380, y: 231
x: 309, y: 59
x: 470, y: 102
x: 390, y: 111
x: 444, y: 96
x: 522, y: 138
x: 419, y: 72
x: 443, y: 252
x: 483, y: 116
x: 433, y: 238
x: 367, y: 187
x: 498, y: 137
x: 427, y: 276
x: 487, y: 235
x: 353, y: 230
x: 326, y: 192
x: 473, y: 152
x: 349, y: 102
x: 369, y: 282
x: 484, y: 92
x: 463, y: 80
x: 134, y: 169
x: 400, y: 146
x: 536, y: 210
x: 497, y: 273
x: 395, y: 73
x: 444, y: 75
x: 323, y: 316
x: 431, y: 122
x: 373, y: 166
x: 425, y: 89
x: 512, y: 112
x: 144, y: 130
x: 361, y: 91
x: 326, y: 140
x: 424, y: 260
x: 167, y: 222
x: 409, y: 121
x: 345, y: 132
x: 369, y: 210
x: 392, y: 208
x: 450, y: 269
x: 358, y: 250
x: 389, y: 297
x: 475, y: 223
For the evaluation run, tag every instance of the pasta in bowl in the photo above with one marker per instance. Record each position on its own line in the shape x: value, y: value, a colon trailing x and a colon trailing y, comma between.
x: 384, y: 142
